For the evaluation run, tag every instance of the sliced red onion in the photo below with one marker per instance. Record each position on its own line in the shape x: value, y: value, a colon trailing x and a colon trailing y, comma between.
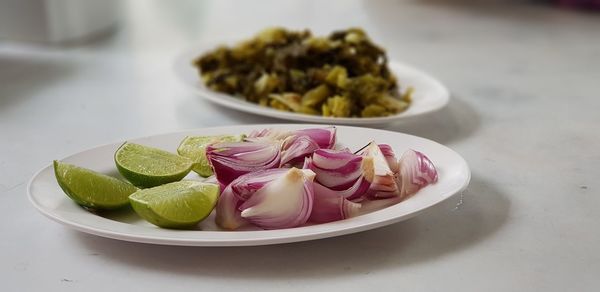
x: 296, y: 148
x: 333, y: 159
x: 390, y: 157
x: 273, y: 134
x: 285, y: 202
x: 239, y: 190
x: 233, y: 159
x: 330, y: 206
x: 324, y: 137
x: 347, y: 174
x: 416, y: 172
x: 228, y: 216
x: 336, y: 169
x: 383, y: 183
x: 329, y: 186
x: 355, y: 191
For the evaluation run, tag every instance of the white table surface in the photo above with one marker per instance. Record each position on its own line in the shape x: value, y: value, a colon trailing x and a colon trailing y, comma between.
x: 525, y: 114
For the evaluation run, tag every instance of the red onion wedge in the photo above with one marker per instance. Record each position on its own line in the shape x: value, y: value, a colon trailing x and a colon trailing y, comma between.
x: 390, y: 157
x: 295, y: 148
x: 416, y: 172
x: 324, y: 137
x: 233, y: 159
x: 383, y: 184
x: 330, y: 206
x: 270, y: 199
x: 346, y: 174
x: 239, y: 190
x: 336, y: 169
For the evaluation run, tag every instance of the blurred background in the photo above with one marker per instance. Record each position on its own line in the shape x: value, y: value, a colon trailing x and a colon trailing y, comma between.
x: 72, y: 21
x: 524, y: 82
x: 98, y: 71
x: 71, y: 62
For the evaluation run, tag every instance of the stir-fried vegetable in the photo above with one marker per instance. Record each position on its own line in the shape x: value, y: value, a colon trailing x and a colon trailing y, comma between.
x: 342, y: 75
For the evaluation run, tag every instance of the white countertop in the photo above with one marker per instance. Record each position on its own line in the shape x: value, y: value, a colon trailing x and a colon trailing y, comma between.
x: 524, y: 114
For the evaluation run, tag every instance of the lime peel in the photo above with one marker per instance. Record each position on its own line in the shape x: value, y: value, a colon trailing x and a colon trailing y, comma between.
x: 177, y: 205
x: 92, y: 189
x: 194, y: 148
x: 147, y: 167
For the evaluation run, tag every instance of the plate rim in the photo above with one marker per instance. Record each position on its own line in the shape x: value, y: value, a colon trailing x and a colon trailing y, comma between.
x: 181, y: 65
x: 299, y: 237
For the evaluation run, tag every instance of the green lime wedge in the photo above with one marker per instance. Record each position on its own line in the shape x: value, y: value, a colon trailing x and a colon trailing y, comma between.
x: 194, y: 148
x: 92, y: 189
x: 177, y: 205
x: 148, y: 167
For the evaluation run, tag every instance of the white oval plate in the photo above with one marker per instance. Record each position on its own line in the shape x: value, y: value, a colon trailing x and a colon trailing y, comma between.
x: 429, y: 94
x: 48, y: 198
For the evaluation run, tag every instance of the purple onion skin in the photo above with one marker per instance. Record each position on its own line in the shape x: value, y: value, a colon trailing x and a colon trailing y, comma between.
x: 244, y: 192
x: 295, y: 220
x: 329, y: 206
x: 227, y: 168
x: 325, y: 137
x: 296, y: 149
x: 416, y: 172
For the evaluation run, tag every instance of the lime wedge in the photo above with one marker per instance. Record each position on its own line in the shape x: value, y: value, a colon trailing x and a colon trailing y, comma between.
x: 194, y: 148
x: 148, y: 167
x: 176, y: 205
x: 92, y: 189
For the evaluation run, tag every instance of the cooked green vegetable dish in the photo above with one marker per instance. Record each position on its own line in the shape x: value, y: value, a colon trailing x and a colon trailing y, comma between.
x: 342, y: 75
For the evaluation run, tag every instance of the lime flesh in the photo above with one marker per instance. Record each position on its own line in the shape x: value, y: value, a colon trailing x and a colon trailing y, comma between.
x: 147, y: 167
x: 176, y: 205
x: 92, y: 189
x: 194, y: 148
